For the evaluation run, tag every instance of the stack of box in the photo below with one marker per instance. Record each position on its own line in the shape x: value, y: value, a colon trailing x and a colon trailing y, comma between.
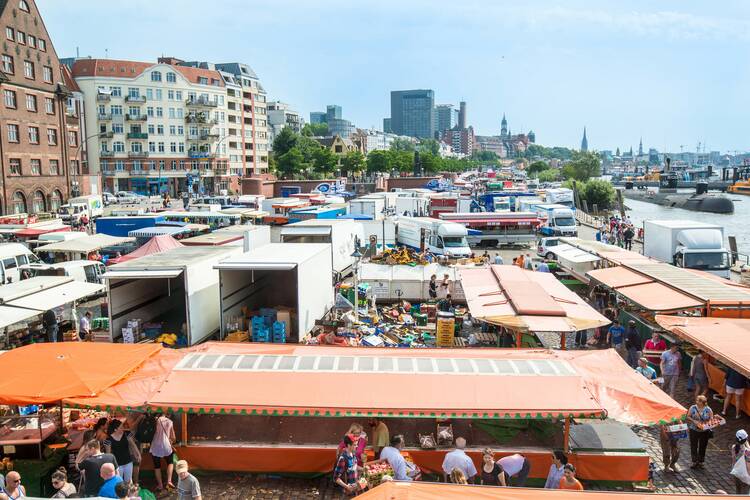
x: 279, y: 332
x: 260, y: 331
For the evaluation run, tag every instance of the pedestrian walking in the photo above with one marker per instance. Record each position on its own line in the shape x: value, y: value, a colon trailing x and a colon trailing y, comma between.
x: 697, y: 417
x: 698, y: 372
x: 433, y: 288
x: 735, y: 386
x: 51, y: 325
x: 740, y: 459
x: 671, y: 362
x: 188, y: 487
x: 616, y: 337
x: 162, y: 448
x: 670, y: 451
x: 346, y: 472
x: 118, y: 444
x: 632, y: 344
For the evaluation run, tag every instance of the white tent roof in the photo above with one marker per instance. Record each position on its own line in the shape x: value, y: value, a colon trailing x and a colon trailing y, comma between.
x: 86, y: 244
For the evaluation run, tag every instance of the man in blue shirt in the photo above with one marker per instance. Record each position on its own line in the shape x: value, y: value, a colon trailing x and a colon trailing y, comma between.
x: 646, y: 370
x: 111, y: 480
x: 615, y: 336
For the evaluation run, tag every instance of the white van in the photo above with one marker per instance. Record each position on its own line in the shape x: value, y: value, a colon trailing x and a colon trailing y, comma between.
x: 88, y: 271
x: 12, y: 257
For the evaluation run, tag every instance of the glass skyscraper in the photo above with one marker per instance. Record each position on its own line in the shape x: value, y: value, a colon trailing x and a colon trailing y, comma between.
x: 413, y: 113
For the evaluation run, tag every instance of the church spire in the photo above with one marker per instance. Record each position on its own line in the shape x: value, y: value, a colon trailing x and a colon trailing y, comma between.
x: 640, y: 147
x: 504, y: 128
x: 584, y: 141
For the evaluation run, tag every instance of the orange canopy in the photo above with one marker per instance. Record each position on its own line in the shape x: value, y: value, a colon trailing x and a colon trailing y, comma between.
x: 526, y: 300
x: 723, y: 338
x: 397, y: 490
x: 48, y: 373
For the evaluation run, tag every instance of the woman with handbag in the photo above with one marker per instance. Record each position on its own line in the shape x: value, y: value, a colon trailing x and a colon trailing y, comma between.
x: 161, y: 449
x: 740, y: 459
x: 119, y: 444
x: 697, y: 416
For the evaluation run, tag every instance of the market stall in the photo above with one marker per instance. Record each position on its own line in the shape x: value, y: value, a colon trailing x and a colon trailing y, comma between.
x: 256, y: 236
x: 523, y: 301
x: 392, y: 283
x: 81, y: 248
x: 725, y: 340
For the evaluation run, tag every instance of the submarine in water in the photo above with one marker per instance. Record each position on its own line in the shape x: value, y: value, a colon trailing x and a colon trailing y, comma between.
x: 700, y: 201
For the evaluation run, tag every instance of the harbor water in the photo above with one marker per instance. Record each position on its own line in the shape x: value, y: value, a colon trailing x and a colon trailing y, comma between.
x: 736, y: 224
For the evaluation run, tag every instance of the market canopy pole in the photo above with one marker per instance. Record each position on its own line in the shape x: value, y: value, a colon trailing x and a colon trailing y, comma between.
x: 566, y: 436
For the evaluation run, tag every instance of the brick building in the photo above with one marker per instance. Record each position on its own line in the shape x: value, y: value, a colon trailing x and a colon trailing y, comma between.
x: 40, y: 154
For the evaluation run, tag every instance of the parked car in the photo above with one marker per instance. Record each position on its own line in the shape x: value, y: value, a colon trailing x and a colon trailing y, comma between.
x: 109, y: 198
x: 543, y: 247
x: 129, y: 197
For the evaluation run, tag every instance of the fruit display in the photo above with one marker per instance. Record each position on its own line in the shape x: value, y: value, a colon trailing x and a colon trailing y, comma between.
x: 377, y: 472
x: 715, y: 421
x: 168, y: 339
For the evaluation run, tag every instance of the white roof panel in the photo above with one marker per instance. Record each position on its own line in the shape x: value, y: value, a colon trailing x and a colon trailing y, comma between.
x: 11, y: 315
x: 86, y: 244
x: 56, y: 296
x: 144, y: 273
x: 275, y: 256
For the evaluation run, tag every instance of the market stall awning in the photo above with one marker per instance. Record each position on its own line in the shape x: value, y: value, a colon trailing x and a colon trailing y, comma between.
x: 296, y: 380
x: 123, y: 274
x: 85, y: 244
x: 526, y: 300
x: 11, y: 315
x: 157, y: 244
x: 55, y: 296
x: 50, y: 372
x: 36, y: 231
x: 151, y: 232
x: 725, y: 339
x: 420, y: 490
x: 616, y: 277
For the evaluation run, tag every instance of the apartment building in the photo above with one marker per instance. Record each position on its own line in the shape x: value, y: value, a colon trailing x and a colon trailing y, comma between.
x: 162, y: 127
x: 281, y: 115
x: 41, y: 150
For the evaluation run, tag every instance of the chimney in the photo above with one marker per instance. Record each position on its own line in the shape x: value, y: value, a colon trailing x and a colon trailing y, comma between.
x: 462, y: 115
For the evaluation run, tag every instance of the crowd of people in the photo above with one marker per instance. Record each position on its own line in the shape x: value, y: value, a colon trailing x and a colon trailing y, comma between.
x: 617, y: 231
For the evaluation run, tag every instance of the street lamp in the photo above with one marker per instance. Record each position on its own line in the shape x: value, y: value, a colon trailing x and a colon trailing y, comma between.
x: 77, y: 156
x: 357, y: 255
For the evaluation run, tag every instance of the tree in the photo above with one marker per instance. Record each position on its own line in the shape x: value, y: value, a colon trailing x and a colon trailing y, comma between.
x: 598, y: 192
x: 315, y: 129
x: 429, y: 146
x: 291, y: 163
x: 484, y: 156
x: 401, y: 144
x: 536, y: 167
x: 308, y: 147
x: 377, y: 161
x: 583, y: 166
x: 325, y: 161
x: 549, y: 175
x: 353, y: 162
x: 403, y: 161
x: 431, y: 163
x: 285, y: 141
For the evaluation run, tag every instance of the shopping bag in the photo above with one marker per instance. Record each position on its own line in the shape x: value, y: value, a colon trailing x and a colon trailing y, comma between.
x: 739, y: 470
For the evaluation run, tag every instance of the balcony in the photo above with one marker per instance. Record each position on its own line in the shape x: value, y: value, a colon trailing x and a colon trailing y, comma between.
x: 200, y: 154
x: 135, y: 98
x: 137, y: 135
x: 103, y: 97
x: 136, y: 118
x: 104, y: 117
x: 210, y: 135
x: 193, y: 137
x: 138, y: 154
x: 201, y: 103
x: 106, y: 135
x: 199, y: 118
x: 106, y: 154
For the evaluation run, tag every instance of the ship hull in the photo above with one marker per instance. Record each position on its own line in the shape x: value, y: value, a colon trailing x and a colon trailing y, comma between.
x: 710, y: 203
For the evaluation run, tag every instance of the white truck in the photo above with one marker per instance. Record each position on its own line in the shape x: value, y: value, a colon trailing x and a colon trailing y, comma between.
x: 414, y: 206
x: 85, y: 271
x: 92, y: 205
x: 373, y: 206
x: 560, y: 196
x: 561, y: 220
x: 434, y: 235
x: 341, y: 234
x: 689, y: 244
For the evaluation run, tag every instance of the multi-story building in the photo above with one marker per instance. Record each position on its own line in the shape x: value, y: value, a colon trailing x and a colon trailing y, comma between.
x: 413, y: 113
x: 336, y: 124
x: 333, y: 112
x: 40, y: 124
x: 387, y: 126
x: 280, y: 115
x: 162, y: 126
x: 447, y: 117
x: 491, y: 143
x: 317, y: 117
x: 368, y: 140
x: 461, y: 140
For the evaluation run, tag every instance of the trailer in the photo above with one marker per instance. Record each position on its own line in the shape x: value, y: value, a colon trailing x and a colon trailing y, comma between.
x: 178, y: 289
x: 281, y: 276
x: 498, y: 228
x: 368, y: 205
x: 342, y: 235
x: 121, y: 226
x: 434, y: 235
x: 685, y: 243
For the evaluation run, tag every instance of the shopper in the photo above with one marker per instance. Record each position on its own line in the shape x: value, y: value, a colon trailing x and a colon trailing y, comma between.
x: 670, y: 451
x: 628, y: 237
x: 13, y: 487
x: 671, y: 363
x: 655, y: 345
x: 632, y: 344
x: 84, y: 326
x: 528, y: 262
x: 161, y: 448
x: 402, y: 470
x: 697, y: 416
x: 741, y: 451
x: 517, y: 468
x: 91, y: 466
x: 358, y: 436
x: 491, y: 474
x: 433, y: 288
x: 616, y: 336
x: 445, y: 304
x: 645, y: 370
x: 698, y: 372
x: 445, y: 286
x: 122, y: 490
x: 133, y: 424
x: 380, y: 436
x: 458, y: 459
x: 346, y: 472
x: 118, y: 444
x: 458, y: 477
x: 51, y: 325
x: 543, y: 267
x: 188, y: 487
x: 498, y: 259
x: 735, y: 385
x: 569, y: 481
x: 110, y: 480
x: 61, y: 484
x: 556, y: 470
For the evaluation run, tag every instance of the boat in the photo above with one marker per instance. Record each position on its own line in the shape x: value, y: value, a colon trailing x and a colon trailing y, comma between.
x: 739, y: 187
x: 700, y: 201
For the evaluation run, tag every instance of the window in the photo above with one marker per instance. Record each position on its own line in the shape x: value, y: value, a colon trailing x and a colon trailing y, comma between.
x: 172, y: 113
x: 10, y: 33
x: 24, y: 6
x: 42, y: 45
x: 180, y: 130
x: 159, y: 112
x: 149, y: 94
x: 160, y: 129
x: 134, y: 92
x: 116, y: 91
x: 12, y: 133
x: 72, y: 138
x: 19, y: 207
x: 118, y: 147
x: 47, y: 74
x: 172, y: 130
x: 52, y: 136
x: 171, y: 77
x: 116, y: 110
x: 31, y: 41
x: 8, y: 64
x: 20, y: 37
x: 31, y: 102
x: 161, y: 147
x: 151, y: 129
x: 15, y: 166
x: 170, y: 95
x: 172, y: 147
x: 54, y: 167
x: 156, y: 76
x: 37, y: 202
x: 158, y: 94
x: 49, y: 105
x: 28, y: 69
x: 181, y: 147
x: 36, y: 166
x: 55, y: 200
x: 117, y: 128
x: 203, y: 80
x: 103, y: 147
x: 178, y: 95
x: 74, y: 167
x: 136, y: 147
x: 119, y: 165
x: 134, y: 111
x: 152, y: 147
x: 180, y: 112
x: 10, y: 99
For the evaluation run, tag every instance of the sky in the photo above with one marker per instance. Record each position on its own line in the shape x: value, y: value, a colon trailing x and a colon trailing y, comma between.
x: 672, y: 72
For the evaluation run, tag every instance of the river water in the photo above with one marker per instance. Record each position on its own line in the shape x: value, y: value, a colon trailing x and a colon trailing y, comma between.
x: 736, y: 224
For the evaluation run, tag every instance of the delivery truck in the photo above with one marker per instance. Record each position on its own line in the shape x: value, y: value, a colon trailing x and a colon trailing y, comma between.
x: 560, y: 220
x: 434, y: 235
x: 689, y: 244
x: 91, y: 205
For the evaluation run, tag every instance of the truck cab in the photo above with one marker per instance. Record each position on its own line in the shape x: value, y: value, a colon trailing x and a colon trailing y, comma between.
x: 561, y: 221
x: 13, y: 256
x: 451, y: 241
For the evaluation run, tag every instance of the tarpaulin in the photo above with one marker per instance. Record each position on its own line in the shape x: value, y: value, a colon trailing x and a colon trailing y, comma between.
x: 157, y: 244
x: 50, y: 372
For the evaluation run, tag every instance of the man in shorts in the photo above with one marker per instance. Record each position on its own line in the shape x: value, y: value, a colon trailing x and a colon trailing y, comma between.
x: 735, y: 385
